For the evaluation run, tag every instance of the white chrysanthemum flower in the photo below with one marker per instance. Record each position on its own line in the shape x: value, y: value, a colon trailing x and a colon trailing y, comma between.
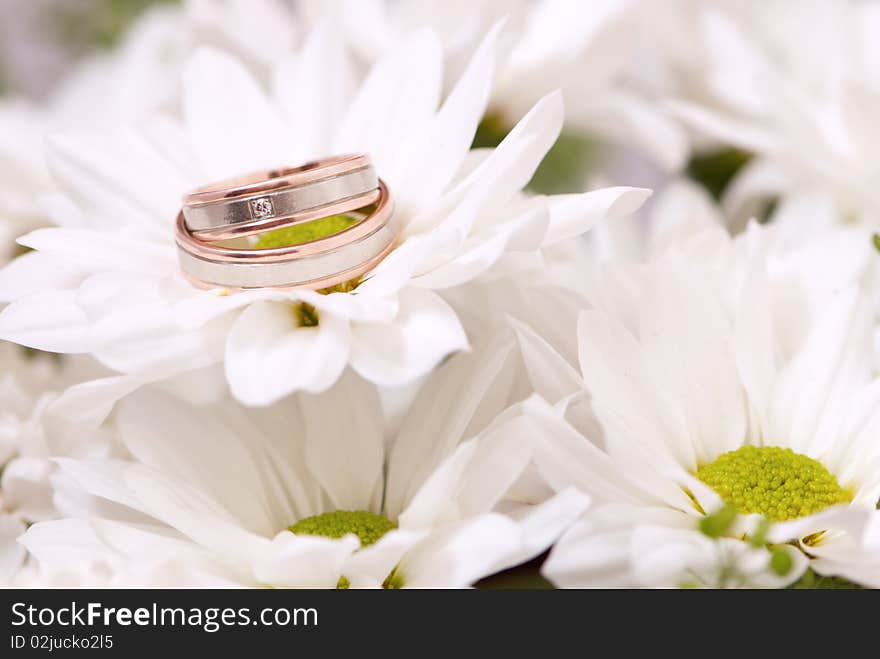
x: 813, y: 250
x: 309, y: 492
x: 552, y: 44
x: 25, y: 174
x: 30, y: 435
x: 800, y: 90
x: 124, y: 86
x: 810, y: 253
x: 131, y: 81
x: 700, y: 402
x: 108, y: 282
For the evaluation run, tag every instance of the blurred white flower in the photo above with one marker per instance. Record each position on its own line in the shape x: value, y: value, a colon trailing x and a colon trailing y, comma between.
x: 622, y: 546
x: 108, y: 283
x: 30, y: 435
x: 800, y: 89
x: 117, y: 87
x: 124, y: 86
x: 25, y: 177
x: 810, y: 254
x: 550, y: 44
x: 214, y: 492
x: 703, y: 396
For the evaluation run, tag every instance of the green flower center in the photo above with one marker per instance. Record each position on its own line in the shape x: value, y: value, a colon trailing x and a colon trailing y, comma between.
x: 305, y: 232
x: 367, y: 526
x: 304, y: 313
x: 774, y: 482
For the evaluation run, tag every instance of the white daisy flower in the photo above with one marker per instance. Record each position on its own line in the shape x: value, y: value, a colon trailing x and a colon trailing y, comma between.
x: 25, y: 174
x: 124, y: 86
x: 309, y: 492
x: 130, y: 81
x: 801, y: 91
x: 30, y: 434
x: 810, y: 254
x: 108, y: 282
x: 552, y: 44
x: 700, y: 404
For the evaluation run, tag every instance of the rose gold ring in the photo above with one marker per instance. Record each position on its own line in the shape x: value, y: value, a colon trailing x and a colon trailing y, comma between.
x: 314, y: 264
x: 264, y: 200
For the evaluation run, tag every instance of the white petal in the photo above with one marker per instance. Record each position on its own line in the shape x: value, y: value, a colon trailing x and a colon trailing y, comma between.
x: 192, y: 513
x: 90, y: 403
x: 757, y: 352
x: 134, y: 330
x: 585, y: 558
x: 540, y: 127
x: 572, y: 215
x: 739, y: 133
x: 234, y: 127
x: 369, y: 566
x: 195, y: 308
x: 552, y: 377
x: 51, y: 321
x: 211, y: 448
x: 35, y: 273
x: 314, y: 90
x: 503, y: 453
x: 565, y: 458
x: 683, y: 209
x: 829, y: 363
x: 853, y: 556
x: 12, y: 554
x: 394, y: 104
x: 438, y: 153
x: 633, y: 120
x: 268, y: 356
x: 96, y: 251
x: 101, y: 478
x: 762, y: 178
x: 345, y: 442
x: 615, y: 369
x: 433, y: 502
x: 447, y: 406
x: 122, y: 180
x: 481, y: 252
x: 543, y: 524
x: 26, y: 487
x: 851, y: 520
x: 301, y: 561
x: 498, y: 177
x: 425, y: 331
x: 458, y: 556
x: 691, y: 360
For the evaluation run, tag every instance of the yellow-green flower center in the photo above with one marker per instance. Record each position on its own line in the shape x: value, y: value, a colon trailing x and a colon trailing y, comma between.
x: 367, y: 526
x: 303, y: 233
x: 774, y: 482
x: 304, y: 313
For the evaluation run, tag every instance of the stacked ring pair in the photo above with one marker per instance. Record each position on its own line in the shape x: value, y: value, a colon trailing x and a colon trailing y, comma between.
x: 217, y: 221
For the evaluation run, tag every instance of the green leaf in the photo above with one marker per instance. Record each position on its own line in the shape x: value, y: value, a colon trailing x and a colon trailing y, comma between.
x: 716, y: 170
x: 716, y: 524
x: 780, y: 561
x: 565, y: 167
x: 812, y: 581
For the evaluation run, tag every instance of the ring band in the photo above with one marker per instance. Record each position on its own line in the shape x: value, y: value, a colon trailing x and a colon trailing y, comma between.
x: 315, y: 264
x: 261, y: 201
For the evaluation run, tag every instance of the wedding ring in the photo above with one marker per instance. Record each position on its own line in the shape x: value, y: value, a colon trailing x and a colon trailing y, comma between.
x: 265, y: 200
x: 316, y: 264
